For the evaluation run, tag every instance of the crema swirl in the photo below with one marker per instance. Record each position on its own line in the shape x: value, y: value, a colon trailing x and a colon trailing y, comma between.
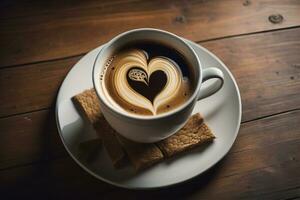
x: 147, y: 79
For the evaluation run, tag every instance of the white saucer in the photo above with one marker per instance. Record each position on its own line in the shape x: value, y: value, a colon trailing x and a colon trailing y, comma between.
x: 222, y: 112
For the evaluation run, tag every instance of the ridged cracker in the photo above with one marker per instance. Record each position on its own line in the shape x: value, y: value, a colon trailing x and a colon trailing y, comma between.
x: 194, y: 133
x: 141, y: 155
x: 88, y: 103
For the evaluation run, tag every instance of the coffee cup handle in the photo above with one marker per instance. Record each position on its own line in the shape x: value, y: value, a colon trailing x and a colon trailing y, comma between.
x: 210, y: 89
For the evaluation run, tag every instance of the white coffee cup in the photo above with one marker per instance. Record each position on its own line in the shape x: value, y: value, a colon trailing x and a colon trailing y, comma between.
x: 149, y: 129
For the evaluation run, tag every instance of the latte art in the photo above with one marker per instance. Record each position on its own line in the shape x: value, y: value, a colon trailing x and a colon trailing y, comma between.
x: 138, y: 75
x: 143, y: 84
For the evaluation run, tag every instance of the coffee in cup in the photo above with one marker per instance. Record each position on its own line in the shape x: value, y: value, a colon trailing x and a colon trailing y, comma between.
x: 147, y: 78
x: 137, y: 59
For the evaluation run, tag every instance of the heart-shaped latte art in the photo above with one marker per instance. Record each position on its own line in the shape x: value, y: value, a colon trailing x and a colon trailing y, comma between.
x: 148, y: 87
x: 134, y: 76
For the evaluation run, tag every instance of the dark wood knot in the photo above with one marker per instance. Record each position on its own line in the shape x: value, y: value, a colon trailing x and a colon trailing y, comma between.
x: 276, y: 18
x: 246, y: 2
x: 180, y: 19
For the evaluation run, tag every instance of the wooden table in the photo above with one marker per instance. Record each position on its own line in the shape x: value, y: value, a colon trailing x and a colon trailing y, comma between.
x: 258, y: 40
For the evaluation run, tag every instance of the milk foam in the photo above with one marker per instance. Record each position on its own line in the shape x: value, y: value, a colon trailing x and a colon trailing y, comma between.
x: 129, y: 74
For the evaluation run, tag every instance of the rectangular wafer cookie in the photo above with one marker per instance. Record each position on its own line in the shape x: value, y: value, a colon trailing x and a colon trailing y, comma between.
x: 89, y: 105
x: 194, y: 133
x: 141, y: 155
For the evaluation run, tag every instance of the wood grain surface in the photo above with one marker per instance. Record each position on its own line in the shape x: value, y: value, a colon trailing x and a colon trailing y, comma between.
x: 29, y: 138
x: 258, y: 40
x: 265, y: 154
x: 267, y: 69
x: 34, y: 86
x: 34, y: 31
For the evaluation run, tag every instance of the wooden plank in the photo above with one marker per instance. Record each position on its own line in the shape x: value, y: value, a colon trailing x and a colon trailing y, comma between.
x: 29, y: 138
x: 38, y: 30
x: 32, y: 87
x: 268, y: 183
x: 256, y: 169
x: 266, y: 66
x: 263, y: 162
x: 267, y: 69
x: 50, y: 180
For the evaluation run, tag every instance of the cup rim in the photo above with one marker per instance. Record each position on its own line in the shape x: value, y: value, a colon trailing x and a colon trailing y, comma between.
x: 97, y: 86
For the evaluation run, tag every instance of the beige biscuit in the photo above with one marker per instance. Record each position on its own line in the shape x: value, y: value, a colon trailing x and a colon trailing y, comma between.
x: 194, y: 133
x: 110, y: 142
x: 141, y: 155
x: 88, y: 103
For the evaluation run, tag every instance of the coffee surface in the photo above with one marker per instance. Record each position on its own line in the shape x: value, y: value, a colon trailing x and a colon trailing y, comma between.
x: 147, y: 78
